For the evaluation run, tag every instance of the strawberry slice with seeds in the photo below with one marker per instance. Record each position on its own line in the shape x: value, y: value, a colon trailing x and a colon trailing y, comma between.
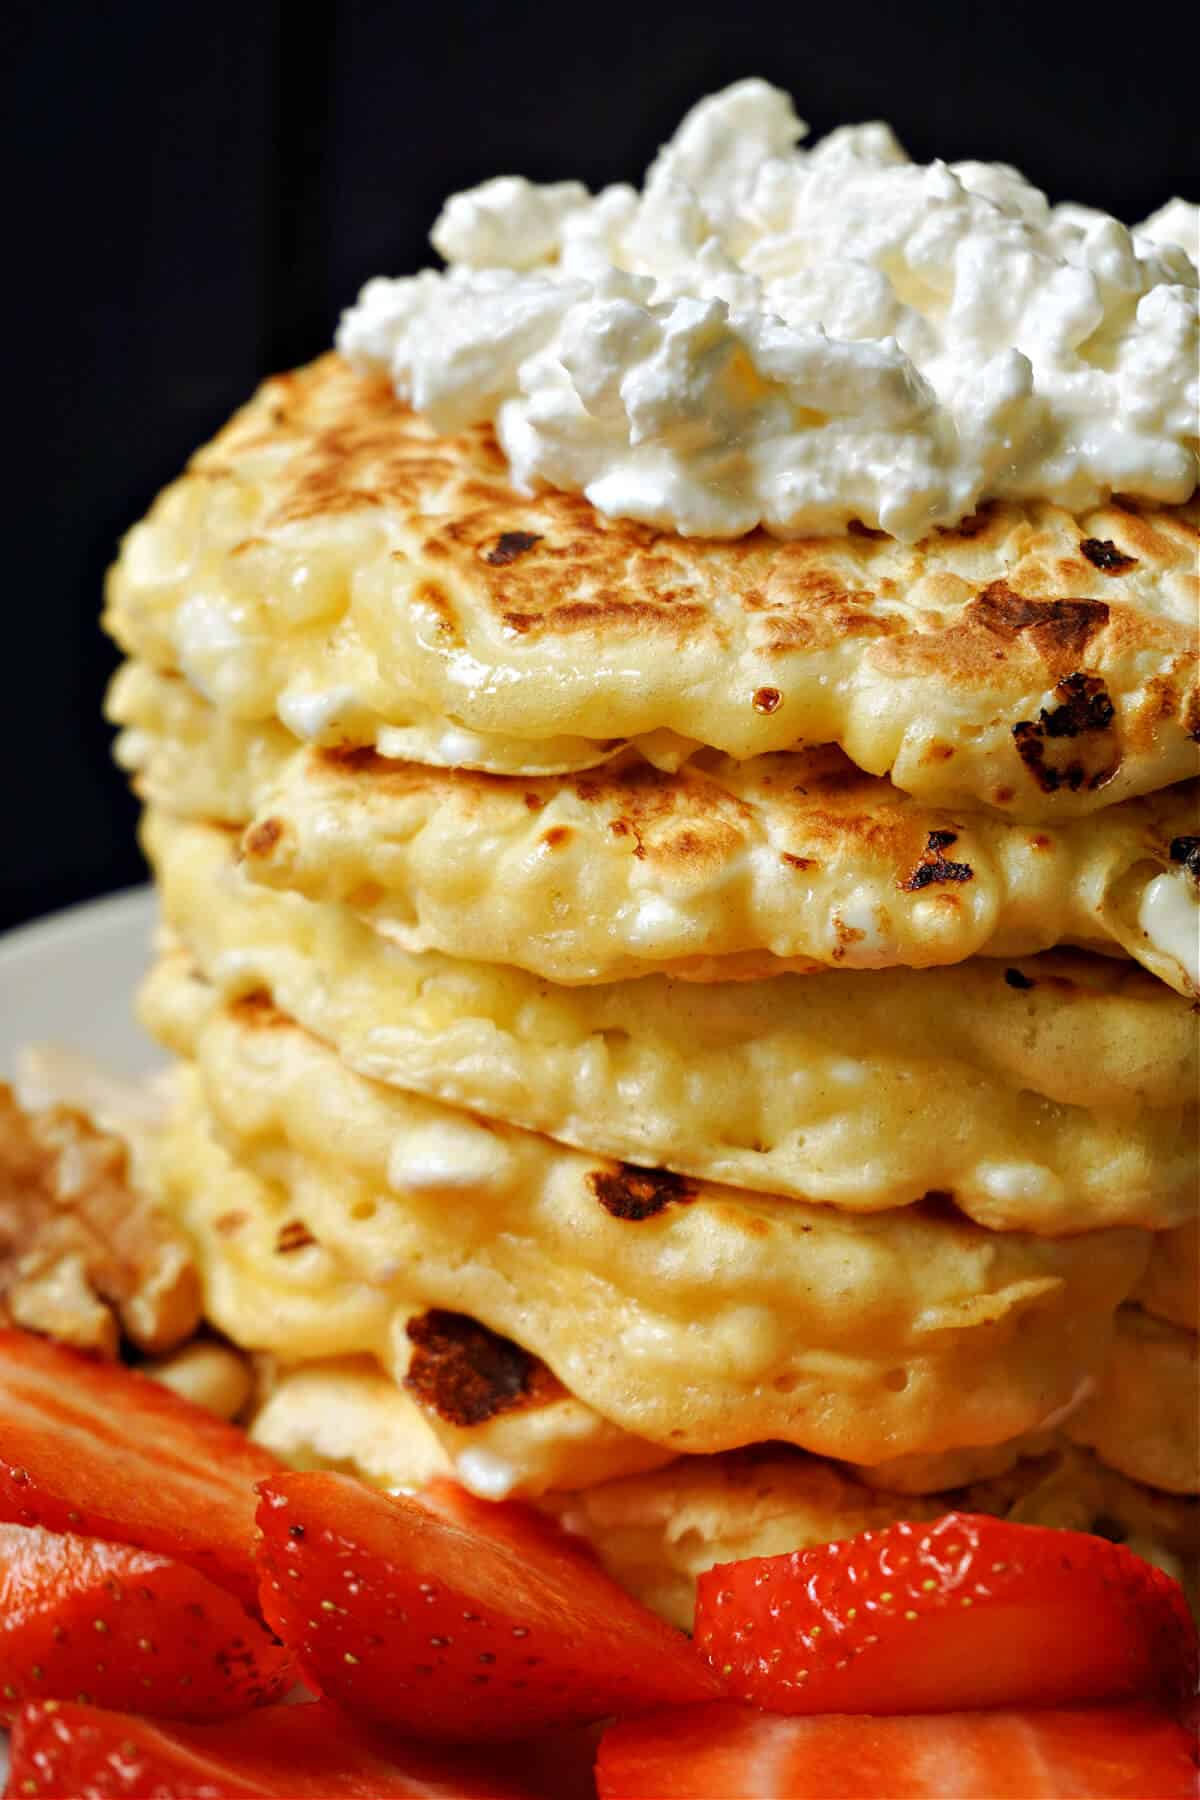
x: 82, y: 1619
x: 451, y: 1630
x: 520, y: 1527
x: 704, y: 1752
x: 964, y: 1612
x: 95, y: 1449
x: 297, y: 1751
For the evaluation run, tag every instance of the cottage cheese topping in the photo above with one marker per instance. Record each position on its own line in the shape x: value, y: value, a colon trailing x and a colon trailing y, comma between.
x: 1178, y: 222
x: 798, y: 339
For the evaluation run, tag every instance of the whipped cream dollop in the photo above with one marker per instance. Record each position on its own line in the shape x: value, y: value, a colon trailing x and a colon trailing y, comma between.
x: 801, y: 338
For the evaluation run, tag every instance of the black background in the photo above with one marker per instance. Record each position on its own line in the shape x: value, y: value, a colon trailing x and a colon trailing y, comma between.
x: 192, y: 191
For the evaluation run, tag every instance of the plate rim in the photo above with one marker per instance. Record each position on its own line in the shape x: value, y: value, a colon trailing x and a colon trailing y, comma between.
x: 65, y: 922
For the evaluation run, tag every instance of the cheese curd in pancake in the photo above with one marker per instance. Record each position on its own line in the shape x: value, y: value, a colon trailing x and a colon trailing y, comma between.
x: 717, y: 870
x: 1053, y: 1095
x: 698, y: 1317
x: 330, y: 562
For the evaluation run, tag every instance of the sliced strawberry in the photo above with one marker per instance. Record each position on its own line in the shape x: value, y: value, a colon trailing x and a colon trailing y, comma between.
x: 59, y: 1748
x: 733, y: 1753
x: 95, y: 1449
x: 456, y: 1631
x: 964, y: 1612
x: 85, y: 1620
x: 522, y: 1528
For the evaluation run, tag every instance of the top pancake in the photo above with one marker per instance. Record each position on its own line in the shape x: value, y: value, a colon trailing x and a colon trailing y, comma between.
x: 331, y: 560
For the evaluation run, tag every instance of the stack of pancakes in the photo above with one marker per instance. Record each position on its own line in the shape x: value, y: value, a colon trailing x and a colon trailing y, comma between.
x: 697, y: 1034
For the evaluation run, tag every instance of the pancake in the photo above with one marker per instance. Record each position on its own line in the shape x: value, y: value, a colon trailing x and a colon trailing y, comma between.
x: 330, y: 561
x: 188, y: 757
x: 700, y: 1318
x: 716, y: 870
x: 348, y: 1413
x: 719, y: 870
x: 1141, y: 1412
x: 209, y: 760
x: 1144, y: 1417
x: 1170, y: 1288
x: 1055, y: 1095
x: 657, y: 1533
x: 268, y: 1285
x: 340, y: 1351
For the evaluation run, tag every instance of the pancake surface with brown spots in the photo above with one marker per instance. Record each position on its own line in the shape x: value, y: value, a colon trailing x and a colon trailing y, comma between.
x: 331, y: 560
x: 733, y: 1319
x: 717, y: 870
x: 862, y: 1089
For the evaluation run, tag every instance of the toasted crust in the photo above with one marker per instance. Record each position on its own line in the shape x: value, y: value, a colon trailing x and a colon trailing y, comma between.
x: 329, y: 544
x: 351, y: 1412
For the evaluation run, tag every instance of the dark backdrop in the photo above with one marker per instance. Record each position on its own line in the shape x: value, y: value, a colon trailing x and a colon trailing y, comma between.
x: 193, y: 190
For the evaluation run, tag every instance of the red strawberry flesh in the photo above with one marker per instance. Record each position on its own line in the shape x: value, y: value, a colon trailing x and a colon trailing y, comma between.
x: 1133, y: 1752
x: 964, y: 1612
x: 296, y: 1751
x: 82, y: 1619
x: 95, y: 1449
x: 449, y: 1631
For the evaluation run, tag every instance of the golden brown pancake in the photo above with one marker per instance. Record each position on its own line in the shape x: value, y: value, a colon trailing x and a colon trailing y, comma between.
x: 1144, y: 1417
x: 329, y: 560
x: 658, y: 1532
x: 718, y: 870
x: 1170, y: 1288
x: 658, y: 1528
x: 1056, y: 1094
x: 698, y: 1317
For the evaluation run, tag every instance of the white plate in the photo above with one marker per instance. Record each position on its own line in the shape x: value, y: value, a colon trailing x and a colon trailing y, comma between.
x: 69, y: 980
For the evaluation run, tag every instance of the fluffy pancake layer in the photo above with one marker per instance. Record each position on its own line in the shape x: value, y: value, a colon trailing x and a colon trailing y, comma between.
x: 700, y: 1318
x: 1144, y: 1418
x: 328, y: 560
x: 1056, y: 1096
x: 714, y: 870
x: 1170, y: 1288
x: 364, y: 1375
x: 658, y: 1529
x: 658, y: 1532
